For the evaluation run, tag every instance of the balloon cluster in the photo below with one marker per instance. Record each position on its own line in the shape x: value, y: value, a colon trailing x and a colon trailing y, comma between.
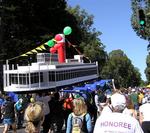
x: 53, y: 43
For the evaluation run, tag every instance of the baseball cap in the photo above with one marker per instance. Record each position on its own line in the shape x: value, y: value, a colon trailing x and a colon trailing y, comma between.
x: 118, y: 99
x: 20, y: 100
x: 32, y: 100
x: 133, y: 90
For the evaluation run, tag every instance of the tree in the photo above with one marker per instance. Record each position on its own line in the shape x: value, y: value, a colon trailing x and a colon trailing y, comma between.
x: 28, y: 23
x: 89, y: 39
x: 147, y: 70
x: 120, y: 68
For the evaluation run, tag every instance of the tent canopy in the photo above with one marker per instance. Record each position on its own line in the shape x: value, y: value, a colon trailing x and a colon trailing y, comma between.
x: 89, y: 87
x: 13, y: 96
x: 148, y: 86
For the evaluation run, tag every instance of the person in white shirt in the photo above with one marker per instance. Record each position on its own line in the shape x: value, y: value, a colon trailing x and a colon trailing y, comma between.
x: 144, y: 116
x: 100, y: 100
x: 45, y: 98
x: 117, y: 122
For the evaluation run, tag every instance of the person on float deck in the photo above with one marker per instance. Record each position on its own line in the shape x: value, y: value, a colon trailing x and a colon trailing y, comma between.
x: 117, y: 122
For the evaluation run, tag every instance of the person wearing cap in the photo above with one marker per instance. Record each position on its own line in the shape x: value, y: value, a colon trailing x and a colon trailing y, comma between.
x: 144, y: 116
x: 117, y: 122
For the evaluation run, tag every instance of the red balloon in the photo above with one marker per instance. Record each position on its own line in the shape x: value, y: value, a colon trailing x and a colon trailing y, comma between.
x: 58, y: 37
x: 52, y: 50
x: 58, y: 45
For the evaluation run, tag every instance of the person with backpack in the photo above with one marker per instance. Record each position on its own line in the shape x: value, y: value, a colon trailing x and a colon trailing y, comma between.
x: 19, y: 112
x: 68, y: 107
x: 79, y: 121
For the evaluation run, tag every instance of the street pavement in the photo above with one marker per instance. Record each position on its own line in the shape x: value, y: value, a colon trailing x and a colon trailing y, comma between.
x: 22, y: 130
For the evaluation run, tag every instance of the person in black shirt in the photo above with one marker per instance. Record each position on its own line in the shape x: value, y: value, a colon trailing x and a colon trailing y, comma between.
x: 8, y: 113
x: 56, y: 113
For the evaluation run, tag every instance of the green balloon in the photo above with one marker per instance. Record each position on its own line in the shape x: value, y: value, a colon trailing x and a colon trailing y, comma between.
x: 50, y: 43
x: 67, y: 30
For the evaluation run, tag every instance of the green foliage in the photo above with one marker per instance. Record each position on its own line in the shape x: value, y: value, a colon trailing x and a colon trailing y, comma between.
x: 141, y: 26
x: 147, y: 70
x: 143, y: 83
x: 28, y: 23
x: 148, y: 60
x: 90, y: 44
x: 120, y: 68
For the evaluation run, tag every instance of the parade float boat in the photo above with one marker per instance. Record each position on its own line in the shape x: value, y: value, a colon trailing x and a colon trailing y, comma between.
x: 47, y: 73
x: 51, y: 70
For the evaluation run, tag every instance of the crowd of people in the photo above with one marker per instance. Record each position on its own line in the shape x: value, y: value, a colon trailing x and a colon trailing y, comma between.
x: 119, y: 111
